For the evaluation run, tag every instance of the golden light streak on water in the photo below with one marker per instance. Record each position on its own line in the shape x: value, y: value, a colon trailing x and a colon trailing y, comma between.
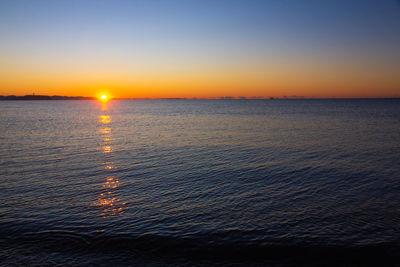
x: 105, y: 119
x: 109, y: 202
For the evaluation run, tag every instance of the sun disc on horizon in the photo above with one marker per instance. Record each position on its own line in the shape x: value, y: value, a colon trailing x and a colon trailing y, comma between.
x: 104, y: 98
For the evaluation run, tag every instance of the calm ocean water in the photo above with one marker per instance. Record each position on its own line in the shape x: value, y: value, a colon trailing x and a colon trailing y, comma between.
x: 196, y: 182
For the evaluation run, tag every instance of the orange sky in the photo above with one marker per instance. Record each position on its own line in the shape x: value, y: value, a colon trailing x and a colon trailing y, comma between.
x: 275, y: 80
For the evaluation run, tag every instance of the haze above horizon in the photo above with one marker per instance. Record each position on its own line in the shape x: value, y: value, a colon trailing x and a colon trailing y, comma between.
x: 204, y: 49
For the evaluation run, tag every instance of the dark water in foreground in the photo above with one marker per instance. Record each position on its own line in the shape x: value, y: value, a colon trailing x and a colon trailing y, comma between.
x: 263, y: 182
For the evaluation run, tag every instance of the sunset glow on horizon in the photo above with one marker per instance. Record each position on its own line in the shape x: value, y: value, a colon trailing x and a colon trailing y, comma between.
x: 208, y: 49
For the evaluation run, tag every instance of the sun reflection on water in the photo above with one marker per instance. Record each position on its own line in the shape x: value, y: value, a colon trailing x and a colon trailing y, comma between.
x: 105, y: 130
x: 105, y: 119
x: 108, y: 199
x: 107, y: 149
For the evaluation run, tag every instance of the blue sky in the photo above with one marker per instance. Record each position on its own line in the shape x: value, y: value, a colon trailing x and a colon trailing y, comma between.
x: 151, y: 36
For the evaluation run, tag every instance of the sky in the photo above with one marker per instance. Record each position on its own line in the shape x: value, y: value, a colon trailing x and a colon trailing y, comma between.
x: 202, y: 49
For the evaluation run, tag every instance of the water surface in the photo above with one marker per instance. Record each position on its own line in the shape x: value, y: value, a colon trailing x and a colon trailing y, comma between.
x: 199, y: 181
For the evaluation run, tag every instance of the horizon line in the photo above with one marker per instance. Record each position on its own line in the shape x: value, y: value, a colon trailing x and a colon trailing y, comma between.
x: 59, y: 97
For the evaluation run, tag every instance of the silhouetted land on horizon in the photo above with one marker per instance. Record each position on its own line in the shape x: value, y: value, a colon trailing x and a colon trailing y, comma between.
x: 45, y: 97
x: 56, y: 97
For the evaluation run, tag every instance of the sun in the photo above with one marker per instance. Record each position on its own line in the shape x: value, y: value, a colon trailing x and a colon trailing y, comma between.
x: 104, y: 97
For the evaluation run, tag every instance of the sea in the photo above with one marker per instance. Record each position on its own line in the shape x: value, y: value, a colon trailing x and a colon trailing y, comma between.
x: 200, y: 182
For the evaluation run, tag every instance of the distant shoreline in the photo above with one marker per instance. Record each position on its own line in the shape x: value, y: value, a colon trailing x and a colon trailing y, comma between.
x: 56, y: 97
x: 45, y: 97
